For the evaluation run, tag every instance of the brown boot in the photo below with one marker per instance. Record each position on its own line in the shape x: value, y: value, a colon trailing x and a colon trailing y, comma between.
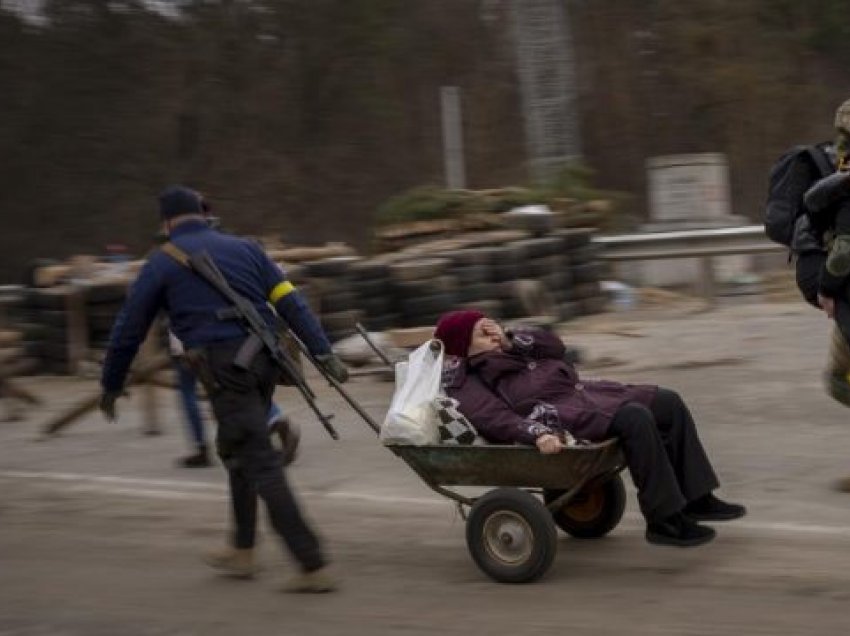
x: 234, y: 562
x: 316, y: 582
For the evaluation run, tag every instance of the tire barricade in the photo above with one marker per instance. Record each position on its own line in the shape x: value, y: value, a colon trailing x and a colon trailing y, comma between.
x: 556, y: 275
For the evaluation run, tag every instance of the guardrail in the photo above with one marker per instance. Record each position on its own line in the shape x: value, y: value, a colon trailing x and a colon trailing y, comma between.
x: 702, y: 244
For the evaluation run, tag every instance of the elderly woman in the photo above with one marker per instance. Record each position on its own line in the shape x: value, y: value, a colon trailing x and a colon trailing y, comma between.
x: 518, y: 388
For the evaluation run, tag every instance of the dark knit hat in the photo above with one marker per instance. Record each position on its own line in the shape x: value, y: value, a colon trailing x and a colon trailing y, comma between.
x: 178, y: 200
x: 454, y: 329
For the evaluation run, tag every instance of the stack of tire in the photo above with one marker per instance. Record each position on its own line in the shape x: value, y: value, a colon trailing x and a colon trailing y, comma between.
x: 103, y: 302
x: 45, y: 328
x: 424, y: 289
x: 13, y: 357
x: 12, y: 300
x: 13, y: 354
x: 564, y: 291
x: 531, y: 273
x: 471, y: 269
x: 586, y: 269
x: 329, y: 282
x: 43, y: 319
x: 370, y: 282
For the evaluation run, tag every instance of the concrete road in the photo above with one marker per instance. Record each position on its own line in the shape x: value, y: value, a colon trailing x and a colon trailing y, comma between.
x: 100, y: 534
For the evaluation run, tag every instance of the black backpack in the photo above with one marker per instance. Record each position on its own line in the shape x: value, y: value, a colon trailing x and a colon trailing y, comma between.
x: 785, y: 193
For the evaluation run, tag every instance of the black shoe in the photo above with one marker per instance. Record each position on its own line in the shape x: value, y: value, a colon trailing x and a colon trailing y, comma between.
x: 288, y: 434
x: 710, y: 508
x: 678, y: 530
x: 201, y: 459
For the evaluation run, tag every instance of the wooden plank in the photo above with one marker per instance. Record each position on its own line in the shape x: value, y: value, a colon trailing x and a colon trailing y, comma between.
x: 77, y: 329
x: 410, y: 338
x: 143, y: 373
x: 10, y: 337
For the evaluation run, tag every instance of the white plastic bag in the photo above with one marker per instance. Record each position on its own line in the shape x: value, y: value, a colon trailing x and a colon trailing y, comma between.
x: 411, y: 418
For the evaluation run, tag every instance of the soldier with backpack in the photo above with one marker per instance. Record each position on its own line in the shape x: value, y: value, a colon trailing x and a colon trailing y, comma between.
x: 808, y: 210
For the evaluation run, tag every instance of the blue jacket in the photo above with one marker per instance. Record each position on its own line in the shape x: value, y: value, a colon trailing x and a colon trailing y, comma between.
x: 191, y: 303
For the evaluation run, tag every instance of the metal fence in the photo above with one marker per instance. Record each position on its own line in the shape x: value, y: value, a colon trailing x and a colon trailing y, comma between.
x: 702, y: 244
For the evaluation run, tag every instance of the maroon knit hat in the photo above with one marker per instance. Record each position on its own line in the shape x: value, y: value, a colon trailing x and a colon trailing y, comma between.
x: 454, y: 329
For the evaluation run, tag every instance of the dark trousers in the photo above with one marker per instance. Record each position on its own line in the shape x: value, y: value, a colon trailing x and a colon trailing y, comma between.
x: 240, y: 400
x: 664, y: 455
x: 807, y: 269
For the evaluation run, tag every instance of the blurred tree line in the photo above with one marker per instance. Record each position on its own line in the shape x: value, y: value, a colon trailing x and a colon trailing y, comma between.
x: 748, y: 78
x: 299, y: 117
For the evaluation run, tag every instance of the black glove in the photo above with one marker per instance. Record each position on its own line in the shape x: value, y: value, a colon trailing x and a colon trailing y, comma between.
x: 107, y: 404
x: 333, y: 366
x: 827, y: 192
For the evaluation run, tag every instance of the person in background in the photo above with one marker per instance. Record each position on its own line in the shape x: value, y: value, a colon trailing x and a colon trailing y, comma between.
x: 187, y: 391
x: 285, y: 433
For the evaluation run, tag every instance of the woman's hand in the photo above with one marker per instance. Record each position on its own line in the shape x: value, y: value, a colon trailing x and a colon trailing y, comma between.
x: 492, y: 329
x: 549, y: 444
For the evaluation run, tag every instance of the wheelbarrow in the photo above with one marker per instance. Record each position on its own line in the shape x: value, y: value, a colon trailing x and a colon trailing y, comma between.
x: 510, y: 529
x: 510, y: 532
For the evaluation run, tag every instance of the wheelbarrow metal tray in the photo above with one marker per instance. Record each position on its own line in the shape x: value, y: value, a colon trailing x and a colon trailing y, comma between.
x: 516, y: 466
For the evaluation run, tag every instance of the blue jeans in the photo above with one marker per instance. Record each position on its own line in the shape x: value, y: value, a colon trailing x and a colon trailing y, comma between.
x: 186, y: 382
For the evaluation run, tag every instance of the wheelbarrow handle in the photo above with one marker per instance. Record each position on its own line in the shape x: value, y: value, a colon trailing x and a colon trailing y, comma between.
x: 336, y: 385
x: 378, y: 351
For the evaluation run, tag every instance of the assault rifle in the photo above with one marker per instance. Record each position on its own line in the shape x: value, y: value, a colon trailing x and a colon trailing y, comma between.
x: 261, y: 336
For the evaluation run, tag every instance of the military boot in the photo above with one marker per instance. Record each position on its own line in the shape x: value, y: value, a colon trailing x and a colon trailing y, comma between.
x: 234, y: 562
x: 316, y: 582
x: 838, y: 259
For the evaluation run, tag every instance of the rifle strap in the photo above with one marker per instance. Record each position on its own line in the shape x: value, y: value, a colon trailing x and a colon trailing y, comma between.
x: 176, y: 253
x: 253, y: 344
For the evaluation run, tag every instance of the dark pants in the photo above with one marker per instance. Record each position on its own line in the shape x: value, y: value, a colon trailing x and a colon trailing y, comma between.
x: 241, y: 401
x: 807, y: 269
x: 665, y: 457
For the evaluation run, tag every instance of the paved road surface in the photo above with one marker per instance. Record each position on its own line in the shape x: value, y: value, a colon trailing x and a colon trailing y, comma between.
x: 100, y: 533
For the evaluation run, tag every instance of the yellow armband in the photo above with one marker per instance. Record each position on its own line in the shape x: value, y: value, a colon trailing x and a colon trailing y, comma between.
x: 280, y: 290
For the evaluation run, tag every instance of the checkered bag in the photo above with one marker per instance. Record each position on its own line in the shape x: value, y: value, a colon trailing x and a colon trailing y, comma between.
x: 452, y: 426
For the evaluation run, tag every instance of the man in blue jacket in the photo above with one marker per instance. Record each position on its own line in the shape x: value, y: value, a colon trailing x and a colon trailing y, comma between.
x: 240, y: 397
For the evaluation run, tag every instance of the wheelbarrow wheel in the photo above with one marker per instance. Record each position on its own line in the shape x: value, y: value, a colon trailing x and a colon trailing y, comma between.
x: 594, y: 512
x: 511, y: 536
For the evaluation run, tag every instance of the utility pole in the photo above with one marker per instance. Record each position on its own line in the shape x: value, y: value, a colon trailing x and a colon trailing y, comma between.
x: 452, y: 138
x: 547, y: 77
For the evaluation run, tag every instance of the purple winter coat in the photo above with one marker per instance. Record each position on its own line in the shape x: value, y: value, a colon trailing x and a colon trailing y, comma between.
x: 520, y: 394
